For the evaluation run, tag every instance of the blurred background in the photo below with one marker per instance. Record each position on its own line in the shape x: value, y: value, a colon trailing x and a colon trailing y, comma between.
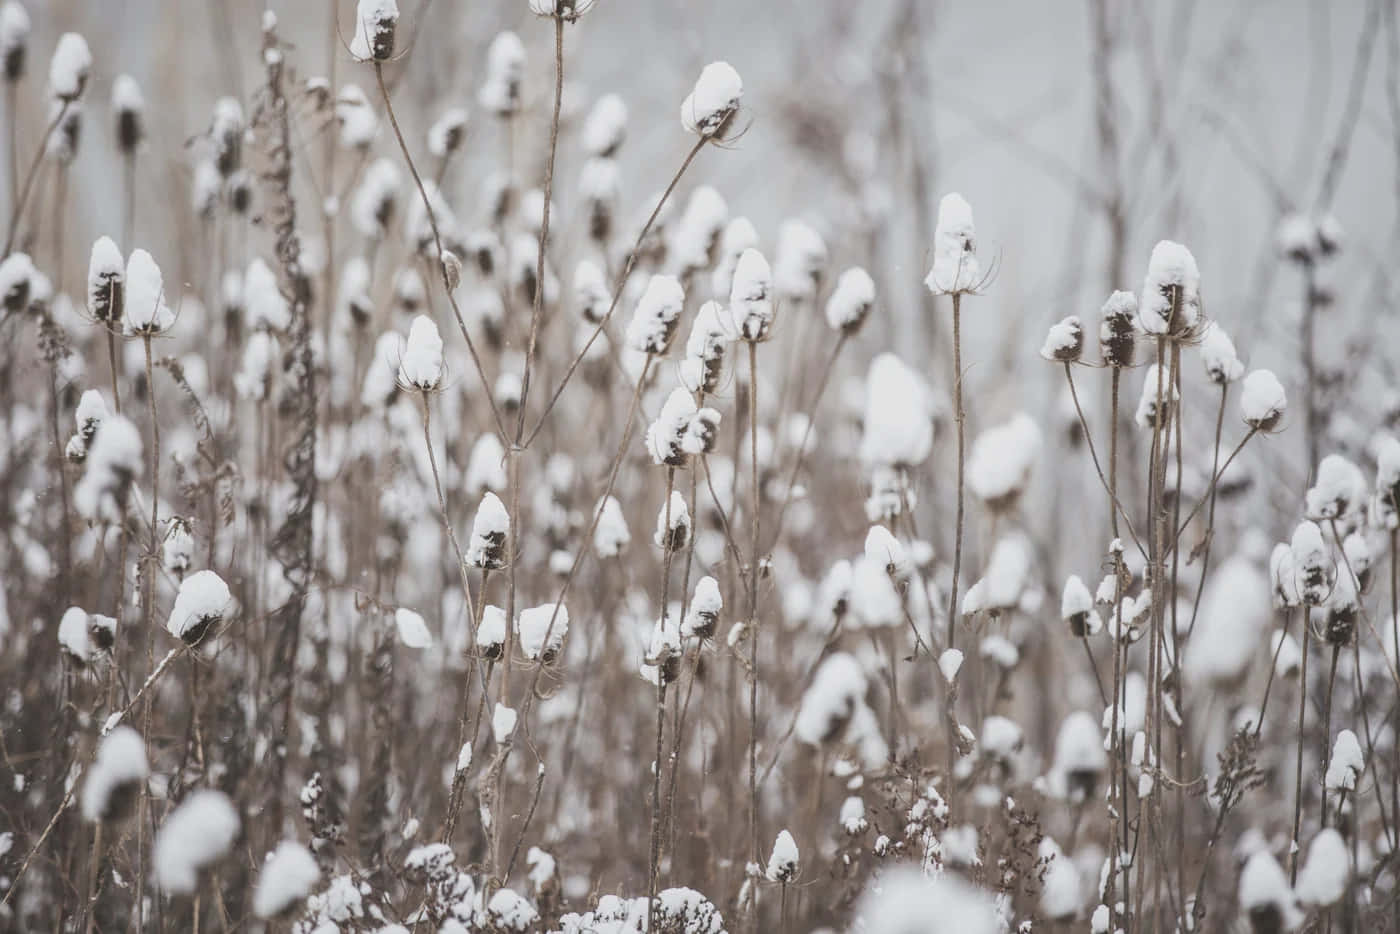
x: 1081, y: 133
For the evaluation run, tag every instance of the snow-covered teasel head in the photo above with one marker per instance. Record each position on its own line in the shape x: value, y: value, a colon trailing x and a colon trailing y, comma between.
x: 783, y: 863
x: 833, y: 710
x: 692, y: 240
x: 673, y: 534
x: 69, y: 68
x: 654, y: 320
x: 956, y: 269
x: 799, y: 262
x: 907, y: 900
x: 487, y: 549
x: 1080, y: 759
x: 106, y: 278
x: 851, y: 301
x: 286, y: 880
x: 1171, y: 293
x: 1157, y: 386
x: 1340, y: 490
x: 611, y: 535
x: 1326, y: 872
x: 708, y: 110
x: 14, y: 39
x: 177, y: 547
x: 203, y: 601
x: 448, y: 131
x: 491, y: 634
x: 114, y: 781
x: 600, y: 186
x: 605, y: 128
x: 358, y: 121
x: 421, y: 365
x: 702, y: 617
x: 74, y: 637
x: 591, y: 291
x: 375, y: 24
x: 542, y: 630
x: 703, y: 366
x: 1118, y: 329
x: 62, y: 144
x: 1296, y: 238
x: 567, y: 10
x: 661, y: 660
x: 1077, y: 608
x: 751, y: 308
x: 129, y: 110
x: 112, y: 465
x: 1064, y: 343
x: 1347, y: 764
x: 145, y: 311
x: 376, y: 200
x: 666, y: 435
x: 91, y: 411
x: 898, y: 423
x: 505, y: 70
x: 1265, y: 896
x: 196, y: 835
x: 1283, y: 578
x: 1218, y: 355
x: 1262, y: 400
x: 253, y: 380
x: 17, y: 279
x: 264, y: 305
x: 1007, y: 580
x: 1001, y: 460
x: 738, y: 235
x: 226, y: 134
x: 1314, y: 571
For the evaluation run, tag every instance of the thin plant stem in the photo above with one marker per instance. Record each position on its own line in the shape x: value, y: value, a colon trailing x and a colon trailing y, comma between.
x: 1115, y: 507
x: 1298, y: 769
x: 1327, y: 727
x: 950, y: 691
x: 654, y: 850
x: 806, y: 436
x: 18, y: 210
x: 1210, y: 513
x: 544, y: 223
x: 441, y: 259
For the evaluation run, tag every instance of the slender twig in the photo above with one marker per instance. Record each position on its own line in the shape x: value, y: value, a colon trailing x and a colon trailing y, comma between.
x: 755, y: 561
x: 544, y: 223
x: 33, y: 172
x: 441, y: 259
x: 1298, y: 769
x: 617, y: 293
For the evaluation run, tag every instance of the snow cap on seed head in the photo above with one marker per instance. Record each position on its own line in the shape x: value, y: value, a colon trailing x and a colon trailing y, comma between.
x: 1171, y: 292
x: 955, y: 266
x: 709, y: 108
x: 375, y: 24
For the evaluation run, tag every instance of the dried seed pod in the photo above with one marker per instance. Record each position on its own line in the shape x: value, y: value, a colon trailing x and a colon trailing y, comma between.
x: 1118, y: 331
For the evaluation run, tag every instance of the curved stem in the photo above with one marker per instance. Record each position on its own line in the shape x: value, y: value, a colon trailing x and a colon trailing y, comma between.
x: 617, y: 293
x: 33, y: 172
x: 437, y: 240
x: 755, y: 560
x: 544, y: 223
